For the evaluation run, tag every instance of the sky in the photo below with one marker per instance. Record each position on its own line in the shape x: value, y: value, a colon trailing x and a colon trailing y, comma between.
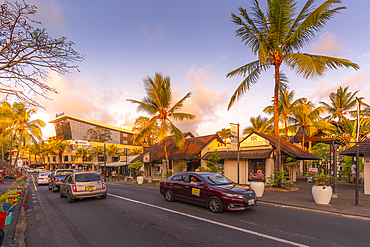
x: 194, y: 43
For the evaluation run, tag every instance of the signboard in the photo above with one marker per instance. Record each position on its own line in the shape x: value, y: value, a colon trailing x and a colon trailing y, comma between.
x: 146, y: 158
x: 78, y: 142
x: 20, y: 163
x: 59, y: 115
x: 254, y: 140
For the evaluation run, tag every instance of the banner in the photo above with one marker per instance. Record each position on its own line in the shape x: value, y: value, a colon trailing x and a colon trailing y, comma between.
x: 234, y: 128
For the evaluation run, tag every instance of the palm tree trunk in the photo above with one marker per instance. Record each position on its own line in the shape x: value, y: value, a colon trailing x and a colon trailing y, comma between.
x: 276, y: 119
x: 303, y: 138
x: 165, y: 166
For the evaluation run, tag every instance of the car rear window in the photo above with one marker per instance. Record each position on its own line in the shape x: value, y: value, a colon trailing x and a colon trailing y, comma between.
x: 87, y: 177
x: 63, y: 173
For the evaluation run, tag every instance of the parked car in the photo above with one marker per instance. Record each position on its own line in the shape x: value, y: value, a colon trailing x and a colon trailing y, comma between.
x: 31, y: 170
x: 56, y: 178
x: 43, y: 178
x: 211, y: 190
x: 82, y: 185
x: 40, y: 170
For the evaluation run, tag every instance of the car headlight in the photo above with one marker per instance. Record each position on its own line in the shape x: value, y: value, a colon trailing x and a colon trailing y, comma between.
x: 233, y: 195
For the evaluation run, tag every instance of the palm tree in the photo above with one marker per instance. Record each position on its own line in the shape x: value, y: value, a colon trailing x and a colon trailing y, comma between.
x: 81, y: 153
x: 152, y: 137
x: 277, y: 38
x: 96, y: 151
x: 224, y: 134
x: 346, y: 131
x: 22, y: 128
x: 259, y: 124
x: 285, y: 107
x: 341, y: 102
x: 307, y: 117
x: 157, y: 104
x: 60, y: 147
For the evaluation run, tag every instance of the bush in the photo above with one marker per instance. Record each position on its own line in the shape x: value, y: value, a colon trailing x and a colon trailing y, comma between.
x: 181, y: 167
x: 278, y: 180
x: 168, y: 174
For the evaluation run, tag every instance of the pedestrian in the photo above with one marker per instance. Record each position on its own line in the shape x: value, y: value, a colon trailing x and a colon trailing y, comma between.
x: 107, y: 175
x: 353, y: 172
x: 114, y: 175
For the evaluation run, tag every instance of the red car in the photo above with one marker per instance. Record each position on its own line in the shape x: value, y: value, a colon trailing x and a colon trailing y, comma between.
x: 208, y: 189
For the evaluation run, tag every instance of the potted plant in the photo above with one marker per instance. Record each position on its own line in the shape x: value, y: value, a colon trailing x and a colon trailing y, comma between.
x: 321, y: 190
x: 258, y: 183
x: 137, y: 165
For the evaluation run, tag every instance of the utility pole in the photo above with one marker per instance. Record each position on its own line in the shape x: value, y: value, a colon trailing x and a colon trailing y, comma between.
x: 357, y: 151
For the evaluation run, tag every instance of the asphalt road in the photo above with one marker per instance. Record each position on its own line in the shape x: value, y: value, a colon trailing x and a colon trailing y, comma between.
x: 134, y: 216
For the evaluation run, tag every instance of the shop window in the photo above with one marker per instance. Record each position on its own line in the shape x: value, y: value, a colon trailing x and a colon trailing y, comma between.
x: 257, y: 165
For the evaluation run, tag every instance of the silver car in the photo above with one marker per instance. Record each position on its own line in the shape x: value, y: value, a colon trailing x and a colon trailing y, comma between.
x: 43, y: 178
x: 82, y: 185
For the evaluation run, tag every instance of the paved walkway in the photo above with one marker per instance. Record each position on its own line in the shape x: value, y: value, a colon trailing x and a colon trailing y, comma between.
x: 344, y: 204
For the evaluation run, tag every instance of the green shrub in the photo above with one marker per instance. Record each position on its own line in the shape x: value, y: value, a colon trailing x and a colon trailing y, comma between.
x: 278, y: 180
x: 181, y: 166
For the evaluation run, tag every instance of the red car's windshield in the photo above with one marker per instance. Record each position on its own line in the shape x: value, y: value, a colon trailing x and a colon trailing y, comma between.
x: 216, y: 179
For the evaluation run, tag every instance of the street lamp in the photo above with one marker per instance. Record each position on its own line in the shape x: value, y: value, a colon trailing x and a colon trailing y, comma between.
x: 105, y: 166
x: 357, y: 150
x: 237, y: 141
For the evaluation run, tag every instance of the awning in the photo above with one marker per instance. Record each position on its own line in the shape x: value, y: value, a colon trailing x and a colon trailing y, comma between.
x: 115, y: 164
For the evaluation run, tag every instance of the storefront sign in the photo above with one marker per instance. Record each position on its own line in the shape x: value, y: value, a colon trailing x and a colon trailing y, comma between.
x: 254, y: 140
x: 146, y: 158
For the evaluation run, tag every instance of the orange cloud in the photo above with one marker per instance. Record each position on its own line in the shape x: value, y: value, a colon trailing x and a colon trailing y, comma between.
x: 204, y: 102
x: 329, y: 44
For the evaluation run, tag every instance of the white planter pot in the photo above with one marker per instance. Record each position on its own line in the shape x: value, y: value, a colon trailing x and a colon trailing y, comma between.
x: 140, y: 179
x: 258, y: 187
x: 320, y: 195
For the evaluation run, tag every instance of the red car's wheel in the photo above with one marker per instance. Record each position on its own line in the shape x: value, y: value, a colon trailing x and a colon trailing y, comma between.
x: 215, y: 204
x: 168, y: 195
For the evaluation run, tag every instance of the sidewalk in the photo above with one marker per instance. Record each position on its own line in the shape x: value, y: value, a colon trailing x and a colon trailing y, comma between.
x: 302, y: 198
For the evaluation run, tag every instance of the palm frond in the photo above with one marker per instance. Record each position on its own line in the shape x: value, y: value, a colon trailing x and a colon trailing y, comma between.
x: 313, y: 66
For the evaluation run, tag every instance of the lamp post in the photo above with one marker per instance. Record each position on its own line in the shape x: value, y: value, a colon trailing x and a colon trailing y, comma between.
x: 237, y: 144
x: 105, y: 166
x: 357, y: 150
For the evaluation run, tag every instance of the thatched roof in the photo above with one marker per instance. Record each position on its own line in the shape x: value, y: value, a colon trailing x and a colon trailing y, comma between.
x: 364, y: 149
x: 243, y: 154
x: 288, y: 148
x: 191, y: 149
x: 3, y: 163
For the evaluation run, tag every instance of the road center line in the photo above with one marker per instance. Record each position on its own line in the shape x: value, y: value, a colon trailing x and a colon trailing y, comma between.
x: 213, y: 222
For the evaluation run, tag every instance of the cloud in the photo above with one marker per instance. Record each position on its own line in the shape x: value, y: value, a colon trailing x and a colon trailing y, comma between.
x: 51, y: 15
x: 204, y: 102
x: 355, y: 82
x: 81, y: 100
x: 152, y: 32
x: 329, y: 44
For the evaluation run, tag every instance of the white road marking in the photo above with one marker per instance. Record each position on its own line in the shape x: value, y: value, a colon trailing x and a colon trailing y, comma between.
x: 213, y: 222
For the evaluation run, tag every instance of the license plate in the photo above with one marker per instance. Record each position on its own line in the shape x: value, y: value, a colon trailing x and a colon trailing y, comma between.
x: 89, y: 188
x: 250, y: 202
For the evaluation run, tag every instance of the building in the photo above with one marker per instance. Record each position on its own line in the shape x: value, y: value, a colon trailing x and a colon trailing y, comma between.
x: 256, y: 154
x: 87, y: 134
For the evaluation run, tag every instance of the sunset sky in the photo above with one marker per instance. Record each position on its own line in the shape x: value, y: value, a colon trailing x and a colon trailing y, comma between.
x: 194, y: 43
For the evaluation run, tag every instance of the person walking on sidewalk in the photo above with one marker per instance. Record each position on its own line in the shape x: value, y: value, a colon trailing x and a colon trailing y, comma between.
x: 114, y: 175
x: 353, y: 172
x: 107, y: 175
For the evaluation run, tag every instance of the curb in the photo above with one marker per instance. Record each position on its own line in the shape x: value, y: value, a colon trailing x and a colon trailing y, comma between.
x: 316, y: 210
x: 10, y: 229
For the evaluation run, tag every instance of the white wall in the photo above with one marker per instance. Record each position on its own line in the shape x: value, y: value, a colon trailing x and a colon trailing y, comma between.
x: 366, y: 174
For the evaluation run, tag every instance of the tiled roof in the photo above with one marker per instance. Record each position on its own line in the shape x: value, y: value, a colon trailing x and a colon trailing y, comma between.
x: 364, y: 148
x: 290, y: 149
